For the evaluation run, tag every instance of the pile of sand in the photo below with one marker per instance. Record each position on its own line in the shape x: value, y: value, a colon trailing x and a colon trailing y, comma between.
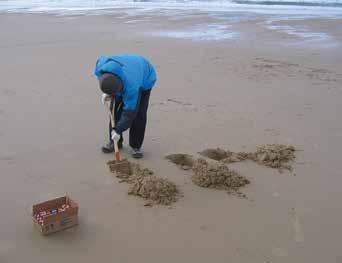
x: 210, y: 175
x: 275, y: 156
x: 158, y: 190
x: 123, y: 169
x: 271, y: 155
x: 216, y: 175
x: 144, y: 184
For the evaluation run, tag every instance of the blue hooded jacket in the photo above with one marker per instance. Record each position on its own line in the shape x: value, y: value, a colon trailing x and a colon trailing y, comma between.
x: 136, y: 73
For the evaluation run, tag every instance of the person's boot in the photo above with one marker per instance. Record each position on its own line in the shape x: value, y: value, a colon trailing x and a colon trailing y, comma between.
x: 137, y: 153
x: 109, y: 147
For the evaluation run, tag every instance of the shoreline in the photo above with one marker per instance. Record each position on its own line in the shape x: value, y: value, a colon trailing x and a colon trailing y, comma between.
x: 315, y: 33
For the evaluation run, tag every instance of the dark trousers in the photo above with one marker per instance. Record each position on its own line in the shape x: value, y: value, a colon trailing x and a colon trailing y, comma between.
x: 138, y: 127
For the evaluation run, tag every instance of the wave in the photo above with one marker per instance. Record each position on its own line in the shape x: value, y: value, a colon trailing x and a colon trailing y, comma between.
x: 326, y: 3
x: 313, y: 7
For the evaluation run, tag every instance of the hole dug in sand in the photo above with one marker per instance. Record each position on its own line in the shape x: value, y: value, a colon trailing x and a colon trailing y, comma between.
x: 184, y: 161
x: 211, y: 175
x: 271, y: 155
x: 144, y: 184
x: 219, y: 154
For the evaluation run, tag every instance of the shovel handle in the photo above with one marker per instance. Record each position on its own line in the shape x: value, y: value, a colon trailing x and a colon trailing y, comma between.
x: 116, y: 156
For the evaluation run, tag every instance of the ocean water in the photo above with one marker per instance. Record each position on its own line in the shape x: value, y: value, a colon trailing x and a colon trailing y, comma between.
x: 233, y: 11
x: 316, y: 7
x: 200, y: 32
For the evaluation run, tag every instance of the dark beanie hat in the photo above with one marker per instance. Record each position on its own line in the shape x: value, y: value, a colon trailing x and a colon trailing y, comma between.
x: 110, y: 83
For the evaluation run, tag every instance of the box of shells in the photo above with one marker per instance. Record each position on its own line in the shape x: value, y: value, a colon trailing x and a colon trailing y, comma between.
x: 55, y: 215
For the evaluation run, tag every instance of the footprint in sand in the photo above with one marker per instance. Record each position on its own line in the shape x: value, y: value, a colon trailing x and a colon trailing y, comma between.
x: 187, y: 106
x: 254, y: 256
x: 269, y: 68
x: 9, y: 92
x: 297, y: 227
x: 7, y: 159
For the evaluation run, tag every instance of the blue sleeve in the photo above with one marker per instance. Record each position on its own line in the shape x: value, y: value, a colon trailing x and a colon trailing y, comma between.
x: 150, y: 75
x: 126, y: 119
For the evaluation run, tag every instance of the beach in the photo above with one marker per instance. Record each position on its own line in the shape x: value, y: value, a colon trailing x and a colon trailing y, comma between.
x: 235, y: 85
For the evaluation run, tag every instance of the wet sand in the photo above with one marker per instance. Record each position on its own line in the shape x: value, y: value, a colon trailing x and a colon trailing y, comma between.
x: 236, y: 94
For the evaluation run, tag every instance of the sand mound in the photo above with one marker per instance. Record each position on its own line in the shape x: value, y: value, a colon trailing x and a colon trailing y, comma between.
x: 271, y: 155
x: 158, y: 190
x: 123, y: 168
x: 144, y: 184
x: 275, y: 155
x: 185, y: 161
x: 215, y: 175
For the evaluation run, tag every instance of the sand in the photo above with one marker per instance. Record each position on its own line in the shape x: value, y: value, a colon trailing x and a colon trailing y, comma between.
x: 154, y: 189
x: 209, y: 94
x: 278, y: 156
x: 217, y: 154
x: 210, y: 175
x: 184, y: 161
x: 218, y: 176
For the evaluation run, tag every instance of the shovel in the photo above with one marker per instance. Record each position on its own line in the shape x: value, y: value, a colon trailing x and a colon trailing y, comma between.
x: 116, y: 156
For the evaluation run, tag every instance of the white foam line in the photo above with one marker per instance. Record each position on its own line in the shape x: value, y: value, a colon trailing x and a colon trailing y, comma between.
x: 135, y: 21
x: 211, y: 32
x: 302, y: 32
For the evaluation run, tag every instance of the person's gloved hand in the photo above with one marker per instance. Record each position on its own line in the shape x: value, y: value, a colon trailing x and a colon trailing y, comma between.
x: 115, y: 136
x: 105, y: 98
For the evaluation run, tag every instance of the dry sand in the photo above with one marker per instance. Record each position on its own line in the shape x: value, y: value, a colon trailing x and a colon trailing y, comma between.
x: 235, y: 94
